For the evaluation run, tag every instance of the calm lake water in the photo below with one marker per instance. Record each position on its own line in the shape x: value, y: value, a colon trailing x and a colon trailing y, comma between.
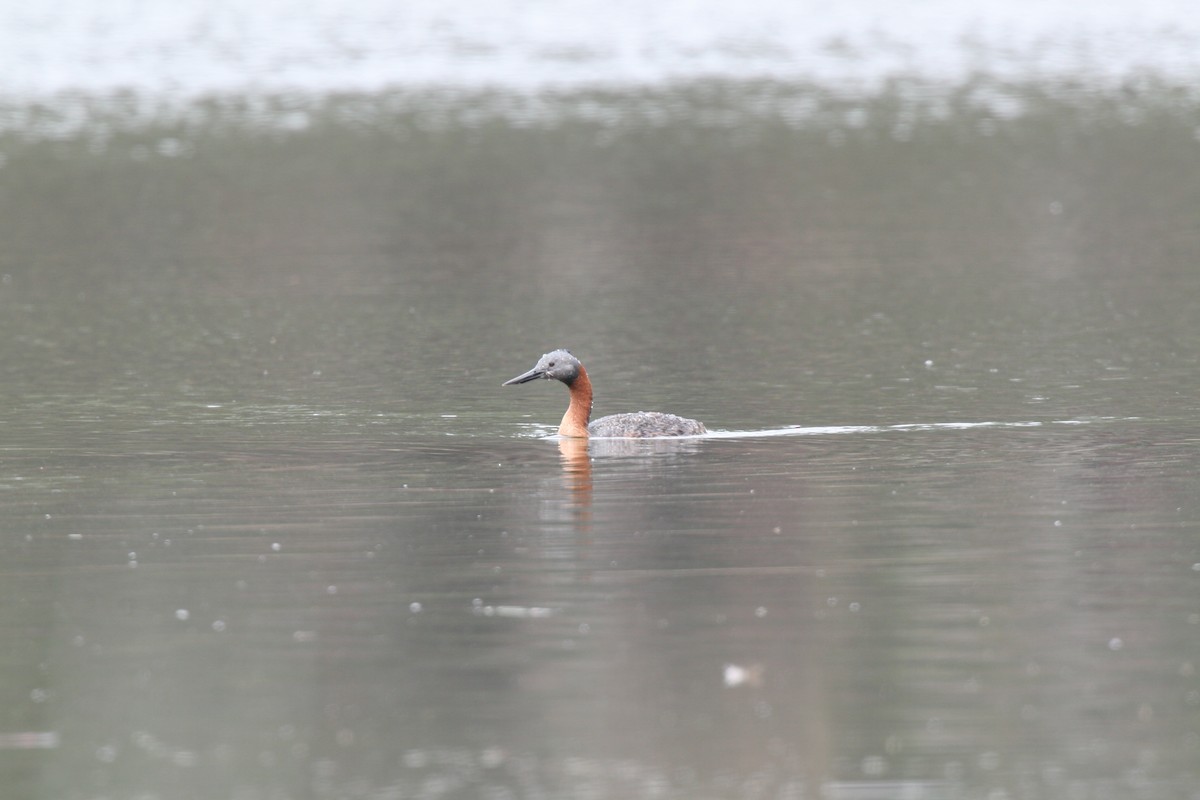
x: 271, y: 528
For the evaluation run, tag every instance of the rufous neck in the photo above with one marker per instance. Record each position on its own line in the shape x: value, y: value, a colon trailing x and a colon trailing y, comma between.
x: 575, y: 421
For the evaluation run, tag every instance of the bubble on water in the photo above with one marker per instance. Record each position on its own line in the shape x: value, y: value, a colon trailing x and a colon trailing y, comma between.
x: 182, y: 614
x: 171, y: 147
x: 760, y: 612
x: 874, y: 766
x: 219, y: 625
x: 491, y: 757
x: 734, y: 675
x: 1115, y: 644
x: 276, y: 546
x: 414, y: 608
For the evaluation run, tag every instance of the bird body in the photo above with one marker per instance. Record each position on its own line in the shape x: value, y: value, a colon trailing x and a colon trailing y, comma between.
x: 562, y: 366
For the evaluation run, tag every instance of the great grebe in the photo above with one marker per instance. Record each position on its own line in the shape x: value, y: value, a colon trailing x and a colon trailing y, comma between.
x: 562, y: 366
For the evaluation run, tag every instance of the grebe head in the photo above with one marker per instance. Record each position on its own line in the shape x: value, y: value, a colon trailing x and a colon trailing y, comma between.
x: 559, y: 365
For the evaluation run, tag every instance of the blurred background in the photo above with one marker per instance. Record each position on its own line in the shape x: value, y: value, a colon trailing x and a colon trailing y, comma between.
x: 270, y: 527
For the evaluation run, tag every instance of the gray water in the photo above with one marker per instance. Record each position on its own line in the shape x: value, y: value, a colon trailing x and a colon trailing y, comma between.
x: 271, y: 528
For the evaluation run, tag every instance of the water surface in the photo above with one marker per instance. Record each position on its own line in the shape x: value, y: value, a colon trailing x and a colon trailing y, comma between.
x: 271, y: 528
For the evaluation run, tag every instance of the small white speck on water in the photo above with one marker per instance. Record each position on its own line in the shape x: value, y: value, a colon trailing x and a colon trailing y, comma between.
x: 182, y: 614
x: 276, y: 546
x: 1115, y: 644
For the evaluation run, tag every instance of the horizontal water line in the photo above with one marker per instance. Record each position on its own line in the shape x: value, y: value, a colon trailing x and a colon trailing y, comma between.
x: 833, y: 430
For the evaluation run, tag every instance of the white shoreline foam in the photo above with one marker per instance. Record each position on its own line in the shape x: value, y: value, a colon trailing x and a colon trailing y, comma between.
x: 197, y: 47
